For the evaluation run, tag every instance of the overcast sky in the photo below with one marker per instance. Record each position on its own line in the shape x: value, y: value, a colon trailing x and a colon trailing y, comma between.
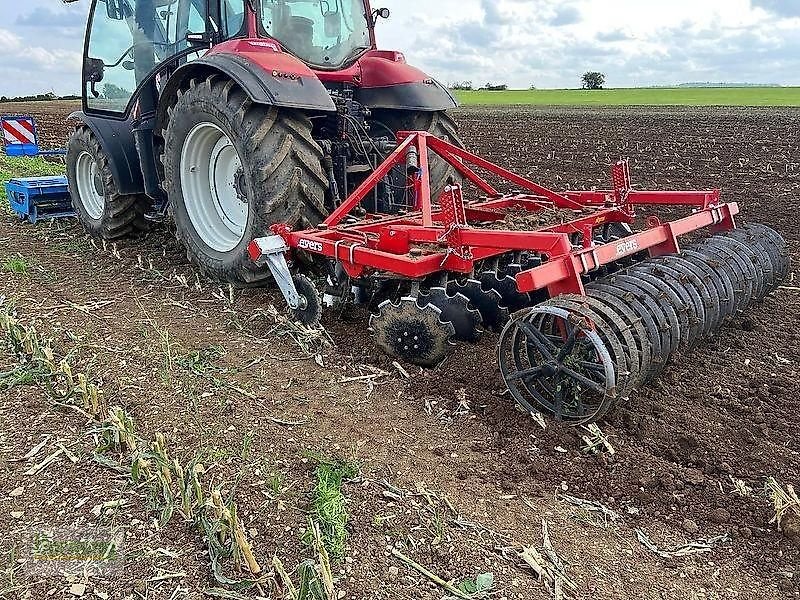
x: 547, y: 43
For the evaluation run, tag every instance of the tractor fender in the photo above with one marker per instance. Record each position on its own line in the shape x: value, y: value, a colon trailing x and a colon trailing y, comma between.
x: 428, y: 95
x: 117, y: 141
x: 387, y: 81
x: 266, y: 74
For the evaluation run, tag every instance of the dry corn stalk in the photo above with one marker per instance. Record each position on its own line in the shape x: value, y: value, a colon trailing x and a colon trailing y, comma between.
x: 324, y: 566
x: 548, y: 566
x: 123, y: 429
x: 783, y: 500
x: 228, y: 516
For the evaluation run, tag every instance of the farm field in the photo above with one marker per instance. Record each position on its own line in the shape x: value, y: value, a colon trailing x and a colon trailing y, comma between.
x: 449, y: 473
x: 750, y: 96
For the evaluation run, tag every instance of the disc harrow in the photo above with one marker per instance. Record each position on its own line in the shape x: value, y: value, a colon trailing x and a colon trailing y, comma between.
x: 589, y: 308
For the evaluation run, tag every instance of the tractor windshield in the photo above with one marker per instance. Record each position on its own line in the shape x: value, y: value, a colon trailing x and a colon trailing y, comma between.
x: 323, y: 33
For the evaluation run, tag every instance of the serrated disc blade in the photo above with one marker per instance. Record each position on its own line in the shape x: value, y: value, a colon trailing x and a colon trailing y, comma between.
x: 507, y: 288
x: 456, y: 309
x: 489, y: 303
x: 416, y: 335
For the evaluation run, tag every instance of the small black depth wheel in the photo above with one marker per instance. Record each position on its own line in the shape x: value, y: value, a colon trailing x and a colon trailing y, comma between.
x: 310, y: 310
x: 555, y: 363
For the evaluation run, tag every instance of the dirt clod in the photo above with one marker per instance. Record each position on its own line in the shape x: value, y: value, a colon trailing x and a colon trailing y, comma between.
x: 690, y: 526
x: 790, y: 525
x: 720, y: 516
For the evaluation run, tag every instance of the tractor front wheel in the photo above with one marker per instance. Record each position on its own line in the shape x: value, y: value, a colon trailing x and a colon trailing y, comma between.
x: 232, y: 168
x: 101, y: 209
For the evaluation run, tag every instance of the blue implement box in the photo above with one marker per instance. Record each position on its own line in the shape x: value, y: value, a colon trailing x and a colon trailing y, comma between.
x: 36, y: 198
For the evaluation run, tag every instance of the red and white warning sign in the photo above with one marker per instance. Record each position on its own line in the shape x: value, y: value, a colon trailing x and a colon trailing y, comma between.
x: 19, y: 130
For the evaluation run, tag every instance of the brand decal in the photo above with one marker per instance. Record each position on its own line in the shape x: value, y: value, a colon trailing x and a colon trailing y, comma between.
x: 311, y: 245
x: 627, y: 247
x: 283, y: 75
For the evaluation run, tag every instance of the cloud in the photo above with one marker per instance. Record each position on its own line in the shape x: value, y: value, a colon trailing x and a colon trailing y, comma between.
x: 566, y: 15
x: 69, y: 16
x: 617, y: 35
x: 550, y: 44
x: 494, y: 13
x: 9, y: 42
x: 785, y: 8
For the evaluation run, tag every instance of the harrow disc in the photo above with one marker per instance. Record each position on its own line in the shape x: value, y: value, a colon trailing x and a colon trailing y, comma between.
x: 675, y: 295
x: 663, y: 312
x: 506, y: 286
x: 554, y: 362
x: 636, y: 325
x: 775, y: 243
x: 456, y: 309
x: 617, y: 337
x: 488, y: 302
x: 701, y: 289
x: 310, y: 310
x: 412, y: 333
x: 770, y: 255
x: 755, y: 259
x: 682, y: 284
x: 735, y: 268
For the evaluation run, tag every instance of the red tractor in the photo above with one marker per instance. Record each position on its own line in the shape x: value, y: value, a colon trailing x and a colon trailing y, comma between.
x: 234, y: 115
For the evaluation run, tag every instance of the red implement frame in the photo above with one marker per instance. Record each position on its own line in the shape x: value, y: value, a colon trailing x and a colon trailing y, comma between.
x: 451, y: 235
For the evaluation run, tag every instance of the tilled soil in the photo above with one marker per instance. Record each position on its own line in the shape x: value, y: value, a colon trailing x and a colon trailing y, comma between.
x: 723, y: 414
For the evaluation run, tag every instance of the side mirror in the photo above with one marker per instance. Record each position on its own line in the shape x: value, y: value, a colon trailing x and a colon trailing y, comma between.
x: 129, y: 65
x: 383, y: 13
x: 114, y: 10
x: 94, y: 69
x: 333, y: 25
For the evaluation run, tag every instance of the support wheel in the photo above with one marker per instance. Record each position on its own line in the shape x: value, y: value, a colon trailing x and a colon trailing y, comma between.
x: 101, y: 209
x: 233, y: 168
x: 310, y: 310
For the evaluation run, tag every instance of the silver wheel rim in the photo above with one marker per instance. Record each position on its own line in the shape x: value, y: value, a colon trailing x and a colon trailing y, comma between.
x: 209, y: 168
x: 87, y: 178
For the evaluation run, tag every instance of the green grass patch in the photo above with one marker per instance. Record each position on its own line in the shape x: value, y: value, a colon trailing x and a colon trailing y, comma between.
x: 328, y: 508
x: 752, y: 96
x: 17, y: 265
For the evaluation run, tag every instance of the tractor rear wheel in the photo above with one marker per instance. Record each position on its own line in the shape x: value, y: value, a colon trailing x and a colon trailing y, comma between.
x: 232, y: 169
x: 101, y: 209
x: 440, y: 124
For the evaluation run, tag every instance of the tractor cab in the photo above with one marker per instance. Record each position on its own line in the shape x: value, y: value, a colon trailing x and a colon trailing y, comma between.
x: 132, y: 41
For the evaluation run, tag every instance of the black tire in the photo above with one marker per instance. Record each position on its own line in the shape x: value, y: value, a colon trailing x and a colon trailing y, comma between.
x: 282, y: 179
x: 119, y: 215
x: 440, y: 124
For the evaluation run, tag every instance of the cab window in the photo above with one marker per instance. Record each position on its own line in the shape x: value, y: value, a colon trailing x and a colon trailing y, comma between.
x: 322, y: 33
x: 130, y: 39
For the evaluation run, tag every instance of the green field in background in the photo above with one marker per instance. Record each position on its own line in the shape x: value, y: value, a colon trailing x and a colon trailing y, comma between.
x: 751, y: 96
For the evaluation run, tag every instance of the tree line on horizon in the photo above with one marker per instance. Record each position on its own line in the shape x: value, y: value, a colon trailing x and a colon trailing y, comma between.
x: 48, y: 97
x: 591, y: 80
